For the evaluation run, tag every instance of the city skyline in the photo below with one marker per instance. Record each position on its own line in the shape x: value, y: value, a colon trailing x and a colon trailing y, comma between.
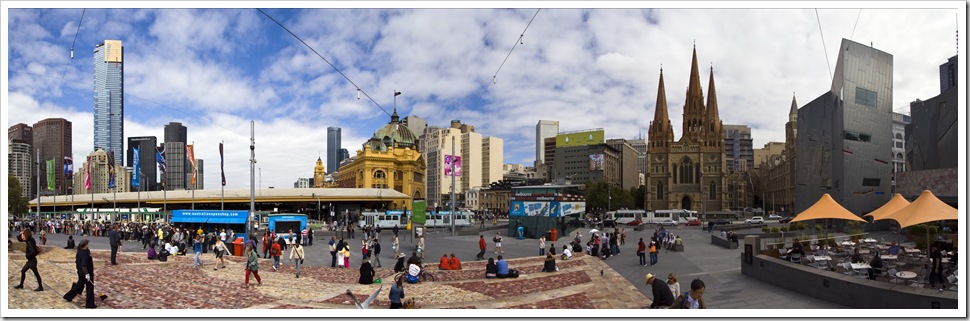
x: 214, y: 70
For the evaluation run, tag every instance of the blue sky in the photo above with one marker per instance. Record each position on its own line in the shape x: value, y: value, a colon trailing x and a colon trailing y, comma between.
x: 214, y: 70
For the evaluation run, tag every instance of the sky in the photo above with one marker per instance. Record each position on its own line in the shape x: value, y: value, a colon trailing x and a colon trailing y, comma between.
x: 215, y: 70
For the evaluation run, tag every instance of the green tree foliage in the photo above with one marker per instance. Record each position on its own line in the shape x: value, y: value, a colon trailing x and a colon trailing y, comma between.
x: 16, y: 203
x: 638, y: 196
x: 600, y: 195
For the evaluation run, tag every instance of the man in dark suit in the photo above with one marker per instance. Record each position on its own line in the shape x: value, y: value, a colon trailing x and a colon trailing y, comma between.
x: 114, y: 239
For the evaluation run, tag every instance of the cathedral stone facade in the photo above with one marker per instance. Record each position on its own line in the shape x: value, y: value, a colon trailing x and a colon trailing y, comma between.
x: 689, y: 173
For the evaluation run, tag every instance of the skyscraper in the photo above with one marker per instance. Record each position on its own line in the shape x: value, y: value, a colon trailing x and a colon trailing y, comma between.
x: 109, y: 101
x: 20, y: 139
x: 739, y: 148
x: 177, y: 169
x: 53, y: 136
x: 333, y: 149
x: 845, y: 136
x: 148, y: 171
x: 544, y: 129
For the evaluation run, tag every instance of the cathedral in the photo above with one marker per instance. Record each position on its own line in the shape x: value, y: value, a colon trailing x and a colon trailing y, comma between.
x: 689, y: 173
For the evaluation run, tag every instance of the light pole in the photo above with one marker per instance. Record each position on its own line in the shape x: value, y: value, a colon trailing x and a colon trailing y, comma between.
x: 453, y: 185
x: 252, y: 169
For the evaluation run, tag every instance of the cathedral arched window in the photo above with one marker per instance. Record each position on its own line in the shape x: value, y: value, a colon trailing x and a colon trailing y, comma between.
x: 687, y: 171
x: 660, y: 190
x: 712, y: 193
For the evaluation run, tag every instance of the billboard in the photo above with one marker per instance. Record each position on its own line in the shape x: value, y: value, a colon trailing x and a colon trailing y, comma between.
x: 581, y: 138
x: 418, y: 211
x: 596, y: 162
x: 112, y: 51
x: 536, y: 208
x: 448, y: 160
x: 571, y: 208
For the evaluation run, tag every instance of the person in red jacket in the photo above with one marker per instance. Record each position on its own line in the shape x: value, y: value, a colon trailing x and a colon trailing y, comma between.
x: 641, y: 252
x: 482, y: 247
x: 454, y: 262
x: 275, y: 251
x: 445, y: 263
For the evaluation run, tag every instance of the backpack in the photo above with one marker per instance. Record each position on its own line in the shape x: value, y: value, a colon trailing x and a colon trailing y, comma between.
x: 496, y: 239
x: 683, y: 302
x: 513, y: 273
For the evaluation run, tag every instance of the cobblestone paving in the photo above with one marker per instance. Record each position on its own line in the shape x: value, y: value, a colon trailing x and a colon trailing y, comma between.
x: 137, y: 283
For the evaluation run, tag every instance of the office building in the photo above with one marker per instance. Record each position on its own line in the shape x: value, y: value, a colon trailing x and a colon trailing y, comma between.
x: 640, y: 145
x: 845, y: 135
x: 109, y: 98
x: 416, y: 125
x: 97, y: 163
x: 302, y: 182
x: 689, y: 173
x: 200, y: 175
x: 148, y: 170
x: 20, y: 162
x: 738, y: 148
x: 53, y: 136
x: 493, y: 153
x: 178, y: 167
x: 333, y: 149
x: 629, y: 163
x: 544, y: 129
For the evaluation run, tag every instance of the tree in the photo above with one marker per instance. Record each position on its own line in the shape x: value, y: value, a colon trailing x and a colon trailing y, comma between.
x: 16, y: 202
x: 638, y: 195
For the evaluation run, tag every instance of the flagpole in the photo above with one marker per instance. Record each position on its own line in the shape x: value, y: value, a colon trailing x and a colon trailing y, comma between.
x: 221, y: 162
x: 37, y: 161
x: 193, y: 175
x: 252, y: 173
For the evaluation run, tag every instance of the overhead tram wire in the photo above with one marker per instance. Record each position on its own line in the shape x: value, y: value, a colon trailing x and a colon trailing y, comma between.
x: 517, y: 42
x: 826, y: 51
x: 856, y: 23
x: 64, y: 71
x: 359, y: 90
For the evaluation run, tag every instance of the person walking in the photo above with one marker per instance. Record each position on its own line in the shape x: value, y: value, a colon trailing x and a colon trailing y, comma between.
x: 542, y: 245
x: 85, y: 276
x: 376, y: 252
x: 114, y: 239
x: 30, y: 252
x: 333, y: 251
x: 220, y: 250
x: 252, y: 266
x: 693, y: 299
x: 421, y: 246
x: 197, y: 248
x: 296, y: 254
x: 936, y: 268
x: 641, y: 252
x: 395, y: 246
x: 340, y: 252
x: 481, y: 246
x: 498, y: 243
x: 397, y: 293
x: 276, y: 251
x: 653, y: 253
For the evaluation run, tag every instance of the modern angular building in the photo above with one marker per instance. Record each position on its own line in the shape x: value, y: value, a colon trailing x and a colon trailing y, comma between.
x: 53, y: 136
x: 147, y: 168
x: 109, y: 98
x: 333, y: 149
x: 845, y: 136
x: 178, y: 169
x: 689, y: 173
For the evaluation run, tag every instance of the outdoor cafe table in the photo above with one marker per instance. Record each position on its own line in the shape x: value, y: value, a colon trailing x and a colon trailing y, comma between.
x: 863, y: 268
x: 906, y: 275
x: 870, y: 240
x: 911, y: 250
x: 889, y: 257
x: 847, y: 243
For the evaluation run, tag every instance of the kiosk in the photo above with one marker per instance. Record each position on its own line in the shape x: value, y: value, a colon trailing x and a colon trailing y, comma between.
x: 211, y: 220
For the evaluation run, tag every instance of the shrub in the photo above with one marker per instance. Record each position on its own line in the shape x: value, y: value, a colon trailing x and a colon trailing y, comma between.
x: 784, y: 229
x: 775, y: 230
x: 765, y: 229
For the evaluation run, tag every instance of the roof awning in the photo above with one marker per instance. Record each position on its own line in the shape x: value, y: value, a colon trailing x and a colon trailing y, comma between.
x: 210, y: 217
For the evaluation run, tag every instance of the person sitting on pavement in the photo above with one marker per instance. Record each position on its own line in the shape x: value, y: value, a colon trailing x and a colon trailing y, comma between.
x: 566, y: 253
x: 875, y: 266
x: 70, y: 242
x: 491, y: 270
x: 454, y: 262
x: 399, y: 266
x: 414, y: 259
x: 151, y: 252
x: 662, y: 298
x: 445, y: 264
x: 366, y: 273
x: 502, y: 268
x: 550, y: 264
x: 678, y: 241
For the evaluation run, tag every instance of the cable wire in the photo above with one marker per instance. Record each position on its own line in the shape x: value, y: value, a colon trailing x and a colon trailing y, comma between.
x: 856, y: 23
x: 823, y: 43
x: 64, y: 71
x: 517, y: 42
x: 325, y: 60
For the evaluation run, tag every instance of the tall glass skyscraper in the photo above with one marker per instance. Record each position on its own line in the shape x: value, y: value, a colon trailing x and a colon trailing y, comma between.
x: 109, y: 101
x: 333, y: 149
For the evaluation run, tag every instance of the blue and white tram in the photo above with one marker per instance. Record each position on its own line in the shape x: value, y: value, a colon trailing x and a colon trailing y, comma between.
x: 443, y: 219
x: 386, y: 220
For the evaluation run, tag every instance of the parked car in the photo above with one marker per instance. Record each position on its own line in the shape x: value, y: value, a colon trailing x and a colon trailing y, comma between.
x: 668, y: 222
x: 694, y: 222
x: 634, y: 223
x: 774, y: 217
x: 755, y: 220
x: 786, y: 219
x: 722, y: 221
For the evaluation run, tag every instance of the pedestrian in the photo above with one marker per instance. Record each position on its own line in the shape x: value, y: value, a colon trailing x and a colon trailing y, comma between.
x: 673, y: 284
x: 43, y: 237
x: 498, y: 243
x: 662, y: 298
x: 275, y: 251
x: 552, y: 248
x: 421, y: 246
x: 340, y: 252
x: 30, y: 252
x: 364, y: 249
x: 481, y: 246
x: 267, y: 243
x: 641, y: 252
x: 346, y: 252
x: 710, y: 226
x: 197, y: 248
x: 85, y: 276
x: 220, y: 250
x: 252, y: 266
x: 376, y: 252
x: 114, y: 239
x: 542, y: 245
x: 397, y: 292
x: 296, y: 254
x: 936, y: 268
x: 693, y: 299
x: 333, y: 251
x: 395, y: 230
x: 309, y: 236
x: 394, y: 246
x: 653, y: 253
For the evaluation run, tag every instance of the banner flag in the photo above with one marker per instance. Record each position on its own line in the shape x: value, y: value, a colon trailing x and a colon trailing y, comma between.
x: 222, y: 165
x: 50, y: 174
x: 87, y: 175
x: 111, y: 169
x: 160, y: 158
x: 190, y: 154
x: 68, y: 166
x: 135, y: 181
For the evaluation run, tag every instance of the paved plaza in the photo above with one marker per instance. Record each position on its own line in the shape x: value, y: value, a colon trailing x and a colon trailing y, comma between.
x: 582, y: 283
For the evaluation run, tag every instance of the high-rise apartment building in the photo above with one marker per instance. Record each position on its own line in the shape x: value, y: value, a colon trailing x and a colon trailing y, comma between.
x: 147, y: 169
x: 544, y: 129
x: 109, y: 98
x: 98, y: 165
x: 20, y: 160
x: 333, y: 149
x: 437, y: 143
x: 471, y: 160
x: 845, y: 135
x: 738, y: 148
x: 416, y: 124
x: 178, y: 167
x: 200, y: 174
x: 53, y: 136
x: 493, y: 153
x: 640, y: 145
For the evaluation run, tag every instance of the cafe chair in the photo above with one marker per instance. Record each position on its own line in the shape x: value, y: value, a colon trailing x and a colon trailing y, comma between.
x: 796, y: 258
x: 892, y: 275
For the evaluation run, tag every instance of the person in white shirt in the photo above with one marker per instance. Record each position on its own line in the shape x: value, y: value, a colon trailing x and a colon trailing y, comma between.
x: 222, y: 235
x: 566, y: 253
x: 172, y: 249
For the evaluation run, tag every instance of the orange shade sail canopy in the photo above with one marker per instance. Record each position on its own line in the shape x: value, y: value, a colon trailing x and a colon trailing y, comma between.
x: 926, y: 208
x: 894, y: 204
x: 824, y: 208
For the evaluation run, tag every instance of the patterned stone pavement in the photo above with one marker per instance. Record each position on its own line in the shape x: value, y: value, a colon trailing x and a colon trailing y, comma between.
x: 137, y: 283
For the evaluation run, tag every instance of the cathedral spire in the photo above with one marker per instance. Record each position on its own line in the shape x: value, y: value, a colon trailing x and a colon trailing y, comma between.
x: 694, y: 104
x: 793, y: 113
x: 660, y: 130
x: 712, y: 115
x: 660, y: 114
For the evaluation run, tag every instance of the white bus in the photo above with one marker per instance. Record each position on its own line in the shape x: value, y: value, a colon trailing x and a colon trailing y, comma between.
x: 679, y: 216
x: 624, y: 217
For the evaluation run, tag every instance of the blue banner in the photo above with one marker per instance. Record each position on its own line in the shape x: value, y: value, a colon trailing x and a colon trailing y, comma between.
x: 135, y: 181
